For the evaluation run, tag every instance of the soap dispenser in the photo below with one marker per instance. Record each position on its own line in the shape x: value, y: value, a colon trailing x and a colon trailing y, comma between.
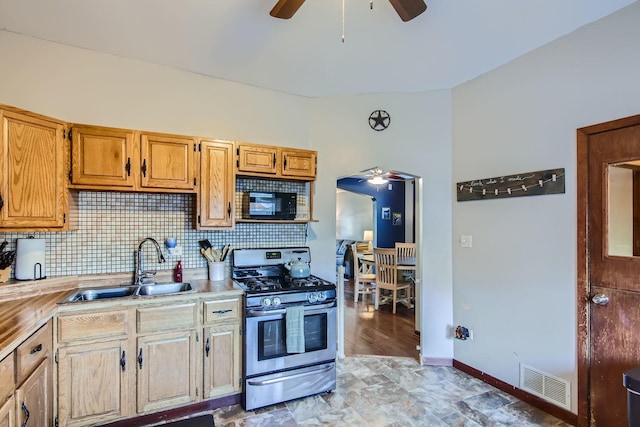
x: 177, y: 273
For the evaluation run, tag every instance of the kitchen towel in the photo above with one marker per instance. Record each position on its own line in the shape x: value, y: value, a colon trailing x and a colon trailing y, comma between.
x: 295, y: 329
x: 30, y: 263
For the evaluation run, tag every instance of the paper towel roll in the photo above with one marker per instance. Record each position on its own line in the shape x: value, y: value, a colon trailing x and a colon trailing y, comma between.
x: 30, y: 264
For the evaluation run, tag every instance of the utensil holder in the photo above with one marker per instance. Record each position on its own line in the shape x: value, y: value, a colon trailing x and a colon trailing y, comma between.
x: 216, y: 271
x: 4, y: 274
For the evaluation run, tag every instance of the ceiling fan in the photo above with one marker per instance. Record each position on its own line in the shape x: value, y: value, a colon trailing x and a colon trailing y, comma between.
x: 407, y: 9
x: 379, y: 176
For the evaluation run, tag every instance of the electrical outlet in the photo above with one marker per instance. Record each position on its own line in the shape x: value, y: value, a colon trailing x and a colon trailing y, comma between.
x: 470, y: 334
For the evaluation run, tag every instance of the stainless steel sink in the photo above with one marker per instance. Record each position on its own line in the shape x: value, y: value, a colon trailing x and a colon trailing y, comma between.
x: 102, y: 293
x: 150, y: 289
x: 163, y: 288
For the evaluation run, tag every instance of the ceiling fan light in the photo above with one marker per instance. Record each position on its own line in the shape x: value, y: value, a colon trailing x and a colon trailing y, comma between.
x: 377, y: 180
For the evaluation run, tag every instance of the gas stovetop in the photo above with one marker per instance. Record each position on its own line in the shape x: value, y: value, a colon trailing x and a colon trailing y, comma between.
x: 263, y: 271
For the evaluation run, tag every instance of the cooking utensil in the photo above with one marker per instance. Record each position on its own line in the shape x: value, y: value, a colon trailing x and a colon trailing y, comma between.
x: 225, y: 251
x: 205, y: 244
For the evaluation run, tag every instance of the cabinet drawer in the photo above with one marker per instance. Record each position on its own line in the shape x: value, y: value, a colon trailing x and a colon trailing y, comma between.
x: 6, y: 377
x: 32, y: 351
x: 81, y: 327
x: 166, y: 318
x: 218, y: 310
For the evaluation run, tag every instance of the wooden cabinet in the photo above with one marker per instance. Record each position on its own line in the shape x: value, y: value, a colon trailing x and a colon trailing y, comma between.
x: 26, y: 382
x: 275, y: 162
x: 106, y: 158
x: 222, y: 348
x: 96, y: 367
x: 216, y: 204
x: 102, y: 156
x: 166, y: 356
x: 33, y: 186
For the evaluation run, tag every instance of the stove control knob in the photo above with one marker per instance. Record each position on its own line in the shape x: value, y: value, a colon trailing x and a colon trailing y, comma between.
x: 322, y: 296
x: 276, y: 301
x: 266, y: 302
x: 312, y: 297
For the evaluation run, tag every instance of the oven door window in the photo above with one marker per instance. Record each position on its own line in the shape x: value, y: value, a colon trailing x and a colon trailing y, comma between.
x: 272, y: 336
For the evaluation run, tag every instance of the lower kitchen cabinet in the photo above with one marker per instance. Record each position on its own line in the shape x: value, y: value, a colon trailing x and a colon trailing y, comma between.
x: 33, y: 398
x: 166, y: 370
x: 94, y: 382
x: 221, y: 360
x: 8, y: 412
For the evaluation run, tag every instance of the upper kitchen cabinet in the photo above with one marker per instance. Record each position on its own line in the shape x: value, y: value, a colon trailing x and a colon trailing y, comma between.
x: 33, y: 185
x: 102, y: 156
x: 216, y: 204
x: 125, y: 160
x: 275, y: 162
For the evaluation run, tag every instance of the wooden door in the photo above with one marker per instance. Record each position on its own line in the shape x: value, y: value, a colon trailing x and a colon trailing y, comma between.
x: 222, y: 360
x: 32, y: 183
x: 298, y: 163
x: 8, y: 412
x: 608, y: 273
x: 167, y: 162
x: 258, y: 159
x: 94, y: 383
x: 33, y: 398
x: 166, y: 370
x: 102, y: 156
x: 217, y: 179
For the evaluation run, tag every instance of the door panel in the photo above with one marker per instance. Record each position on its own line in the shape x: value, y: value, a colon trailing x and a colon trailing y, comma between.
x: 611, y: 344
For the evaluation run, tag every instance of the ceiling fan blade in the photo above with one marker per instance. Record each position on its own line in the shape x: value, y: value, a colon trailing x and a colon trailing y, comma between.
x: 408, y: 9
x: 285, y: 9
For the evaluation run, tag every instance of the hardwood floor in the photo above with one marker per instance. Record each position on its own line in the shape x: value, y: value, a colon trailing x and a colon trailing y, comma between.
x: 379, y: 333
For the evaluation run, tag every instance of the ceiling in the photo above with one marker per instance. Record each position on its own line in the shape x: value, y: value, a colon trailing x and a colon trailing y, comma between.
x: 452, y: 42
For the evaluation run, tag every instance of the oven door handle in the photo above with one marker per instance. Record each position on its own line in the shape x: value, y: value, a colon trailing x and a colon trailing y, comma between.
x: 292, y: 376
x: 256, y: 313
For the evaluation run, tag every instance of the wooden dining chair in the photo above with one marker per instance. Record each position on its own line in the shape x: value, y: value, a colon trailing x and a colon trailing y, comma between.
x: 364, y: 281
x: 387, y: 278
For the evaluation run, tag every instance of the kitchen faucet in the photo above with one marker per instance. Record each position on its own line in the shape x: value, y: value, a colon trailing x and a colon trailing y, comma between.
x: 140, y: 275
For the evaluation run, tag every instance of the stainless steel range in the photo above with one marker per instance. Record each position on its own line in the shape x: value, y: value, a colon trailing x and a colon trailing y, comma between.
x: 272, y: 373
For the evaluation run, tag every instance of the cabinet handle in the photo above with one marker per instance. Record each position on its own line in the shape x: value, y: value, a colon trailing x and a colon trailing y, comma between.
x: 285, y: 163
x: 140, y: 358
x: 36, y: 349
x: 123, y: 360
x: 144, y: 168
x: 1, y: 201
x: 229, y: 210
x: 220, y: 311
x: 26, y: 414
x: 274, y: 160
x: 207, y: 347
x: 128, y: 166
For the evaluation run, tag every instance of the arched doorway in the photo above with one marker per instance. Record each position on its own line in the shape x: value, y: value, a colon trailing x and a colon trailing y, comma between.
x: 394, y: 203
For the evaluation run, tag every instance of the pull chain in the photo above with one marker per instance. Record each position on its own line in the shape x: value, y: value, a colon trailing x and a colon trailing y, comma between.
x: 343, y: 21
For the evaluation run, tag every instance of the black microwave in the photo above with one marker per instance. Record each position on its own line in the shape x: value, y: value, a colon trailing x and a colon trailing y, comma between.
x: 269, y: 205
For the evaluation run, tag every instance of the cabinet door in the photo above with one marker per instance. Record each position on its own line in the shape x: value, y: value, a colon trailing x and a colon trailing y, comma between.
x: 256, y: 158
x: 217, y: 191
x: 32, y: 183
x: 222, y: 360
x: 102, y: 156
x: 8, y: 412
x: 166, y: 370
x: 33, y: 398
x: 167, y: 162
x: 95, y: 383
x: 298, y: 163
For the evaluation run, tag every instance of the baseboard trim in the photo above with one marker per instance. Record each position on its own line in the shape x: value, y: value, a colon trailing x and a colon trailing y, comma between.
x: 543, y: 405
x: 182, y: 411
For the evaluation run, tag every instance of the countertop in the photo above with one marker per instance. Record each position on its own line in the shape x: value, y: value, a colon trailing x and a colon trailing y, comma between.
x: 25, y: 306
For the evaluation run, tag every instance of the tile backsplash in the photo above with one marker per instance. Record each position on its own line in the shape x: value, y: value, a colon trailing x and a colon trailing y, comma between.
x: 112, y: 224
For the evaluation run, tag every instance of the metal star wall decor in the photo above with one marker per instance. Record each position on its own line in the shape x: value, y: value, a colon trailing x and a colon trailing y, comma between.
x: 379, y: 120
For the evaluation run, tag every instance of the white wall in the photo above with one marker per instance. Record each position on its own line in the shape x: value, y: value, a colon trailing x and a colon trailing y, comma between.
x: 516, y: 287
x: 354, y: 214
x: 81, y: 86
x: 416, y: 142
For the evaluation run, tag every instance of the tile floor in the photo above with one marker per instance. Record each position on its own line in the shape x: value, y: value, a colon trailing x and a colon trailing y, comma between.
x: 379, y: 391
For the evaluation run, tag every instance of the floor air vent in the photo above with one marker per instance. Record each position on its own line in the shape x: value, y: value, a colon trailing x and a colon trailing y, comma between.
x: 554, y: 389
